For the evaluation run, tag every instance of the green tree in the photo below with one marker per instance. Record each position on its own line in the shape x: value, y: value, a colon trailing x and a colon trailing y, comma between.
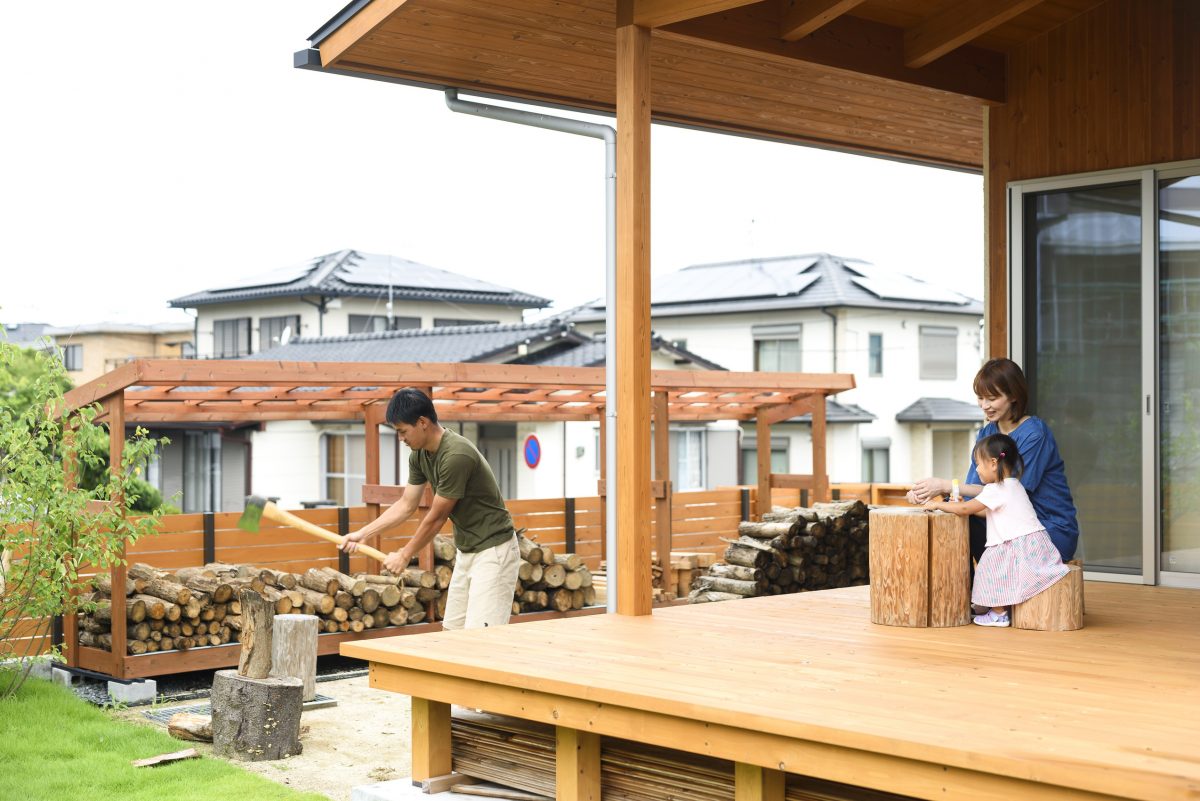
x: 47, y: 533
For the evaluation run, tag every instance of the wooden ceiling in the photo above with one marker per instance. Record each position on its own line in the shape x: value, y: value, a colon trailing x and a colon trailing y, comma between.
x: 178, y: 390
x: 905, y: 79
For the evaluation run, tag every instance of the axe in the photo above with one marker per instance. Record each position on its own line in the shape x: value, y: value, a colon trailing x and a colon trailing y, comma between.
x: 258, y: 507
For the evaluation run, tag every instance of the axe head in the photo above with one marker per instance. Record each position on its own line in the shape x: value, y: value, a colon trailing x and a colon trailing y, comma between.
x: 252, y: 516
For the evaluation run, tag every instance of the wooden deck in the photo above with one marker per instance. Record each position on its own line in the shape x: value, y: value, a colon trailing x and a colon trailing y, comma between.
x: 807, y: 684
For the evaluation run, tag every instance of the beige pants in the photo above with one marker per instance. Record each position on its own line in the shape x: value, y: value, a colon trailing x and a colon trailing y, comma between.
x: 481, y: 591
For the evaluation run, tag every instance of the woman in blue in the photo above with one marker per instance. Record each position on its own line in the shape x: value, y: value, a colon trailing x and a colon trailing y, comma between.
x: 1003, y: 395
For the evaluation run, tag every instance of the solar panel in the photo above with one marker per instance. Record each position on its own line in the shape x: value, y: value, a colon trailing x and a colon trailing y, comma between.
x: 752, y: 279
x: 280, y: 276
x: 376, y: 270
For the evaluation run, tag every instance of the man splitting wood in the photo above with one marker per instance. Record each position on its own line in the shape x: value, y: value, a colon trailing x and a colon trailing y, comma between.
x: 465, y: 491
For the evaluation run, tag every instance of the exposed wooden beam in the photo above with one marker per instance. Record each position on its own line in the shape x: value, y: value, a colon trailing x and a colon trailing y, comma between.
x: 799, y: 18
x: 654, y: 13
x: 777, y: 414
x: 370, y: 17
x: 956, y: 25
x: 847, y: 43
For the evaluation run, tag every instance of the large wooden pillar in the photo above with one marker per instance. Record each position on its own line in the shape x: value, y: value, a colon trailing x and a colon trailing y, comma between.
x: 115, y: 407
x: 633, y: 315
x: 820, y: 471
x: 372, y: 416
x: 762, y: 440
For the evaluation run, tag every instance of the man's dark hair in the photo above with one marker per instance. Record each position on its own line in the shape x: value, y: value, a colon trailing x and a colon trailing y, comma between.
x: 409, y: 404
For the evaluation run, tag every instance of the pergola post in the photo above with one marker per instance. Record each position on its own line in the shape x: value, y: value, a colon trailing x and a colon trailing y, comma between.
x: 114, y: 405
x: 662, y: 472
x: 603, y: 490
x: 372, y: 417
x: 633, y: 314
x: 820, y: 472
x: 762, y: 435
x: 70, y: 482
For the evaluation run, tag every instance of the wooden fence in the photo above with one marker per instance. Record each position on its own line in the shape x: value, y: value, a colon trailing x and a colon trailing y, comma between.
x: 698, y: 522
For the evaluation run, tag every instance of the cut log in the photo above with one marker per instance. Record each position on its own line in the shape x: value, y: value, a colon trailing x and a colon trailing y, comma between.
x: 747, y: 557
x: 443, y: 573
x: 389, y: 595
x: 317, y: 581
x: 1059, y: 607
x: 256, y: 719
x: 530, y: 551
x: 103, y: 584
x: 416, y: 577
x: 748, y: 589
x: 190, y: 726
x: 554, y: 575
x: 765, y: 530
x: 372, y: 598
x: 739, y: 572
x: 321, y: 602
x: 569, y: 560
x: 257, y: 618
x: 705, y: 596
x: 443, y: 548
x: 294, y: 651
x: 219, y: 591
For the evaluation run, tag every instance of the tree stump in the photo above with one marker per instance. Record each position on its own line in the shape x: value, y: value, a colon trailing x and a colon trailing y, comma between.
x: 256, y: 719
x: 294, y: 650
x: 257, y: 618
x: 1059, y: 607
x: 919, y: 569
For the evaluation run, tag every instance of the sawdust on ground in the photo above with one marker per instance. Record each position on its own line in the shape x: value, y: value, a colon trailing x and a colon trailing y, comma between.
x: 365, y: 739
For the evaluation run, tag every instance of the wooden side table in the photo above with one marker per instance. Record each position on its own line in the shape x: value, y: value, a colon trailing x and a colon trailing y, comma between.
x: 920, y: 568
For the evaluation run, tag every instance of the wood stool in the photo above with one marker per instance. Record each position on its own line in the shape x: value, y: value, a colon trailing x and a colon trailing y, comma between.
x: 920, y: 568
x: 1059, y: 607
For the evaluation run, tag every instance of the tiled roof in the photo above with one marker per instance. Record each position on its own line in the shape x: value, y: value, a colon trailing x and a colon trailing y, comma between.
x: 351, y: 273
x: 838, y: 412
x: 817, y: 280
x: 940, y: 410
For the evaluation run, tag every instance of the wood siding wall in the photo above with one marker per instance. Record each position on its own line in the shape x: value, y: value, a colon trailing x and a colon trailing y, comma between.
x: 1116, y: 87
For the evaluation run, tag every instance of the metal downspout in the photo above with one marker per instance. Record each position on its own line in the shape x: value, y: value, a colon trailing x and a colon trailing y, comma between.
x: 832, y: 316
x: 607, y: 133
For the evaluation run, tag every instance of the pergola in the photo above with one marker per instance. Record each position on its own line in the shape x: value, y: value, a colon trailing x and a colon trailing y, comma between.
x: 183, y: 391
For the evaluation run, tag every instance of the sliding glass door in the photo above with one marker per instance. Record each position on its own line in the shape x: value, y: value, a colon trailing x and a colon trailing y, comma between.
x: 1105, y: 320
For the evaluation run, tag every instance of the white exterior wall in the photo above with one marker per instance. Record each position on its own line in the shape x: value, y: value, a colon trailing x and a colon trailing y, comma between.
x: 728, y: 340
x: 337, y: 320
x: 285, y: 461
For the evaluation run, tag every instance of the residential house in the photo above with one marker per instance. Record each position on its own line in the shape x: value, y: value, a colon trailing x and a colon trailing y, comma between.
x: 913, y: 348
x: 93, y: 349
x: 347, y: 292
x: 323, y: 461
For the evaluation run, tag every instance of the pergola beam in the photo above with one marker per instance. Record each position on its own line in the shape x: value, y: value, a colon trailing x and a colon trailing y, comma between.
x: 655, y: 13
x: 957, y: 25
x: 799, y: 18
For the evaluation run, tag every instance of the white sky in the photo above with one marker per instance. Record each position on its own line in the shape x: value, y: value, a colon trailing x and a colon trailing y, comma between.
x: 152, y: 149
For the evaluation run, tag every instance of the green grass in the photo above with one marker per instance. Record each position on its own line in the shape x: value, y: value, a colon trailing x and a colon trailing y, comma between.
x: 55, y: 746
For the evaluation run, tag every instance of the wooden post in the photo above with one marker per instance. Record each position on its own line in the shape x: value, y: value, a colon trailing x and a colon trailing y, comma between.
x: 115, y: 407
x: 633, y: 314
x: 662, y: 472
x: 762, y: 434
x: 430, y: 739
x: 294, y: 650
x: 752, y: 783
x: 576, y: 765
x: 70, y: 482
x: 820, y: 472
x: 604, y: 490
x: 372, y: 417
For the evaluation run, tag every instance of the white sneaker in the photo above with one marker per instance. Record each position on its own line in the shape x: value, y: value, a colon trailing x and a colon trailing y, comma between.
x: 992, y: 618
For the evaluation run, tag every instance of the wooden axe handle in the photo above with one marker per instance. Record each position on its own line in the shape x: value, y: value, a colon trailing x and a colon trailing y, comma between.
x: 288, y: 519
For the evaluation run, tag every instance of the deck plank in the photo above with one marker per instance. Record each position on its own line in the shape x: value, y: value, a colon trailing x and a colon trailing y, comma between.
x: 1113, y: 708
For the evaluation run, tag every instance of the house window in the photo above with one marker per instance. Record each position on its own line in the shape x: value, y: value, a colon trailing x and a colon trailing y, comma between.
x: 875, y: 453
x: 187, y: 350
x: 201, y: 471
x: 777, y: 348
x: 690, y: 459
x: 270, y: 330
x: 780, y: 463
x: 231, y: 338
x: 441, y: 322
x: 939, y: 352
x: 345, y: 463
x: 375, y: 323
x: 72, y: 358
x: 875, y: 357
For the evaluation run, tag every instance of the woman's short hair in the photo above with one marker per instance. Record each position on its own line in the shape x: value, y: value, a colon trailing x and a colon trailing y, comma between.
x: 408, y: 405
x: 1003, y: 377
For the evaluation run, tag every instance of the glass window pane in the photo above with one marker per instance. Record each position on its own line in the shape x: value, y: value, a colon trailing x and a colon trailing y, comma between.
x: 335, y: 453
x: 335, y: 489
x: 1179, y: 376
x: 939, y: 352
x: 1082, y: 257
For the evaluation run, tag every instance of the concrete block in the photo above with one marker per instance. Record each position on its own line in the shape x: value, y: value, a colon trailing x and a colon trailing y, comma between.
x: 41, y: 666
x: 138, y: 692
x: 59, y: 676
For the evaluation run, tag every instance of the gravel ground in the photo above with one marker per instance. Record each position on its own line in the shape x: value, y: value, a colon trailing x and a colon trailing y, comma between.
x: 364, y: 739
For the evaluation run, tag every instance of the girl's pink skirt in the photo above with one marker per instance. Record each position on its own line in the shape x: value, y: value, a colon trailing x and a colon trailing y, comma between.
x: 1017, y: 570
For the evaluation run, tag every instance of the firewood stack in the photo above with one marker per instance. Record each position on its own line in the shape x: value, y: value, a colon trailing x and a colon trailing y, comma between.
x: 546, y: 580
x: 791, y: 550
x: 198, y: 606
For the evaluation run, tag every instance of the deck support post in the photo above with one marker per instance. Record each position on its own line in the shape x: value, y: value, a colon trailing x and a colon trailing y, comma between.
x: 372, y: 417
x: 577, y: 765
x: 114, y: 406
x: 430, y: 739
x: 633, y: 316
x: 762, y: 440
x: 754, y: 783
x: 662, y: 472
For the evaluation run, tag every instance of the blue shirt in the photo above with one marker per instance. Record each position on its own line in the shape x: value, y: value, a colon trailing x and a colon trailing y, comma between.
x: 1045, y: 479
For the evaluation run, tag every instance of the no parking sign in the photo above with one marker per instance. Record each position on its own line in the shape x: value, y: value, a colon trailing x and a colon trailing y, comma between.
x: 533, y: 451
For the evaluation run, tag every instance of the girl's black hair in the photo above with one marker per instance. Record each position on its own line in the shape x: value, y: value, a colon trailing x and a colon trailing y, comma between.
x: 408, y: 405
x: 1002, y: 448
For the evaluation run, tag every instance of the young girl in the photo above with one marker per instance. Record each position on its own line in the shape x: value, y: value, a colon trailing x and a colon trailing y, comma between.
x: 1020, y: 560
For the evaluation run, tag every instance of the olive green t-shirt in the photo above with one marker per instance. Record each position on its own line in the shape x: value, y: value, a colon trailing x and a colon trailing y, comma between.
x: 458, y: 470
